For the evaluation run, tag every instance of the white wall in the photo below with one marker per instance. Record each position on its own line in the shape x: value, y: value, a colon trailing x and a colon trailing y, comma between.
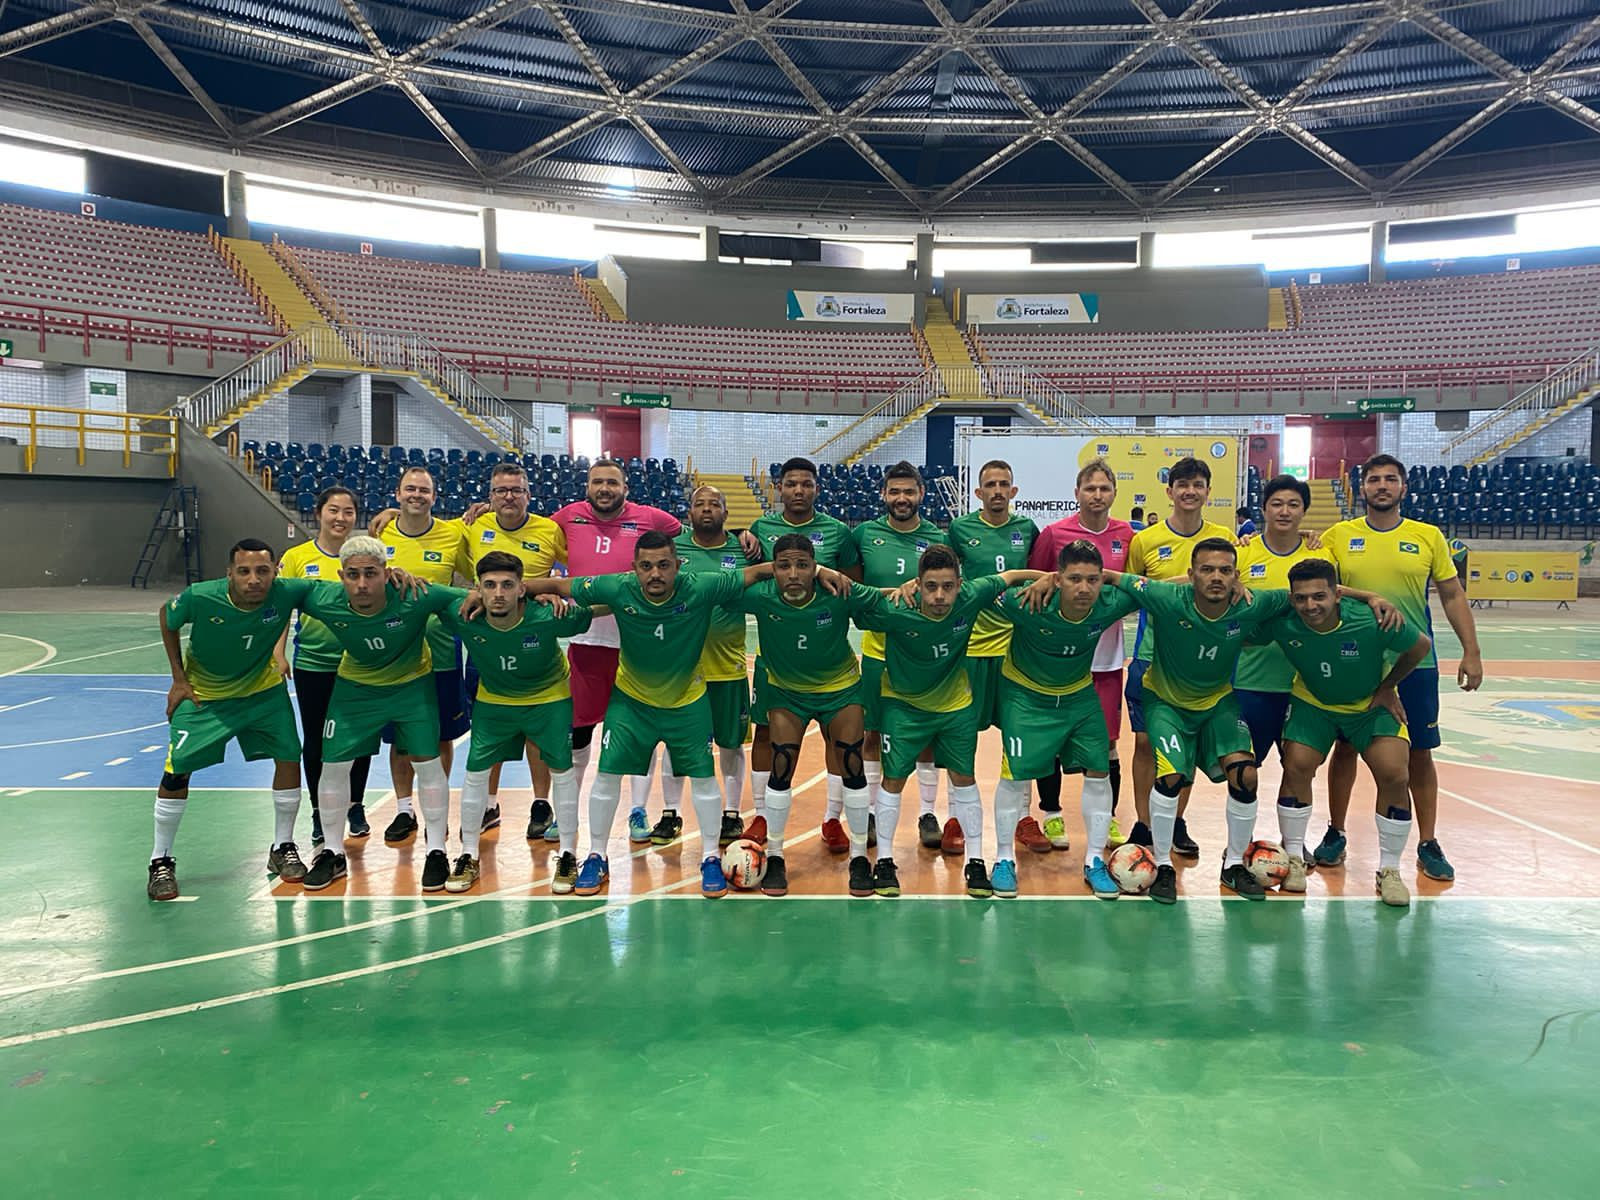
x: 729, y: 441
x: 911, y: 444
x: 1415, y: 438
x: 61, y: 387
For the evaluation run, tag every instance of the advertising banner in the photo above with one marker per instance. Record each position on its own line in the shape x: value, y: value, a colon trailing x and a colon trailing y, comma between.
x: 1056, y: 308
x: 844, y: 308
x: 1522, y: 575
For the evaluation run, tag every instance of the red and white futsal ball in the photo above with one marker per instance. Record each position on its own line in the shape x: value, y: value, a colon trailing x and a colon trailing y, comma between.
x: 1268, y: 862
x: 743, y: 864
x: 1133, y: 867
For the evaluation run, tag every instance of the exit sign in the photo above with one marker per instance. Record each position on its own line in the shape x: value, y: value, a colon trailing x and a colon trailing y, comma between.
x: 645, y: 400
x: 1375, y: 404
x: 5, y: 348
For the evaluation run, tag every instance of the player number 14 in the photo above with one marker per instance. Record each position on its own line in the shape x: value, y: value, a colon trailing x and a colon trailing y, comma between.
x: 1208, y: 653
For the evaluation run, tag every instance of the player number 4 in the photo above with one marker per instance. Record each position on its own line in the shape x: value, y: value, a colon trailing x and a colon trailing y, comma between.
x: 660, y: 633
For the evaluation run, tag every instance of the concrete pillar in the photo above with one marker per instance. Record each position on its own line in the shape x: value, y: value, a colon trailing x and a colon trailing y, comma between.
x: 489, y: 255
x: 925, y: 262
x: 1147, y: 250
x: 1376, y: 272
x: 233, y: 204
x: 711, y: 243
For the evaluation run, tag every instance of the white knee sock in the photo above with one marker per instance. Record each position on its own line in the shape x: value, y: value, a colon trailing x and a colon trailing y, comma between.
x: 888, y: 821
x: 433, y: 796
x: 169, y: 811
x: 835, y: 798
x: 1010, y: 800
x: 564, y: 799
x: 1241, y: 831
x: 855, y: 819
x: 927, y: 786
x: 492, y: 800
x: 706, y: 797
x: 1095, y: 804
x: 733, y: 763
x: 966, y: 805
x: 285, y: 810
x: 671, y: 788
x: 639, y: 785
x: 333, y: 802
x: 1292, y: 822
x: 474, y: 799
x: 580, y: 760
x: 1163, y: 819
x: 758, y: 790
x: 777, y: 819
x: 872, y: 768
x: 1392, y: 838
x: 605, y: 793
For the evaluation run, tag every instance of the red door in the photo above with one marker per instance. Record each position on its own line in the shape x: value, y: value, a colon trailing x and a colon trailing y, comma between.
x: 619, y: 433
x: 1335, y: 442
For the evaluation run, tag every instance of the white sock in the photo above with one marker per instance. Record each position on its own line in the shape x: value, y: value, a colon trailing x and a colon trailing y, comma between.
x: 1163, y: 819
x: 402, y: 804
x: 492, y: 801
x: 1241, y: 831
x: 1025, y: 799
x: 1392, y: 838
x: 928, y: 786
x: 639, y: 785
x: 966, y: 805
x: 758, y: 790
x: 733, y: 763
x: 433, y: 794
x: 564, y: 789
x: 333, y: 802
x: 580, y: 760
x: 605, y: 793
x: 778, y: 819
x: 285, y: 810
x: 872, y: 768
x: 1095, y: 805
x: 855, y: 819
x: 475, y: 797
x: 888, y: 822
x: 169, y: 811
x: 706, y: 797
x: 1292, y: 822
x: 671, y: 788
x: 1010, y: 801
x: 835, y: 798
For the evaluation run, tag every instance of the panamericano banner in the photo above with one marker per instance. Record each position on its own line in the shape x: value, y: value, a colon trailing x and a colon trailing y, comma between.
x: 1056, y: 308
x: 846, y: 308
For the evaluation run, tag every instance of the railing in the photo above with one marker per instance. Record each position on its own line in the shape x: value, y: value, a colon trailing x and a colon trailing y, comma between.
x: 242, y: 274
x: 49, y: 320
x: 90, y: 429
x: 290, y: 261
x: 1020, y: 383
x: 1551, y: 392
x: 895, y: 408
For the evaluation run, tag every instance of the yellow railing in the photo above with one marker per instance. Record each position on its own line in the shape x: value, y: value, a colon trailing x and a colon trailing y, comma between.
x: 91, y: 429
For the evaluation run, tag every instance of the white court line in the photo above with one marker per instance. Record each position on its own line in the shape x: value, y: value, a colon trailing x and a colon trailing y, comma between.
x: 1476, y: 766
x: 86, y: 657
x: 1499, y: 812
x: 88, y: 737
x: 49, y: 653
x: 74, y: 775
x: 752, y: 897
x: 117, y: 762
x: 5, y: 708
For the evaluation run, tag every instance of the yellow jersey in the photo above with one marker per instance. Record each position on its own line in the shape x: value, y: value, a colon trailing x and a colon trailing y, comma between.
x: 1266, y: 668
x: 436, y: 555
x: 1400, y: 564
x: 539, y: 542
x: 1160, y: 552
x: 315, y: 647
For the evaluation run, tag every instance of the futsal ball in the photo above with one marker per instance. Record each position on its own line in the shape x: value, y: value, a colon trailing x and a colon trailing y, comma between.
x: 1268, y: 862
x: 743, y: 864
x: 1133, y: 867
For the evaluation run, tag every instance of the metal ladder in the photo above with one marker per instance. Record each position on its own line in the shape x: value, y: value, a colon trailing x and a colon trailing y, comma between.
x: 180, y: 516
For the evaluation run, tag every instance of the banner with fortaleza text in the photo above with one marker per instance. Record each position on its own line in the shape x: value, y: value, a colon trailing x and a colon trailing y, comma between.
x: 1056, y: 308
x: 846, y: 308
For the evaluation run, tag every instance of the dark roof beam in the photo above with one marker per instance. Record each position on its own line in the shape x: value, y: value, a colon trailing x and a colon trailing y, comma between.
x: 26, y: 37
x: 181, y: 73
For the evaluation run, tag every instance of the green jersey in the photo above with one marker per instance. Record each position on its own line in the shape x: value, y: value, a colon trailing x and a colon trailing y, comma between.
x: 806, y: 647
x: 230, y: 648
x: 723, y: 658
x: 387, y: 647
x: 889, y: 558
x: 987, y: 549
x: 525, y: 663
x: 926, y: 661
x: 830, y: 538
x: 662, y: 642
x: 1051, y: 653
x: 1195, y: 655
x: 1341, y: 668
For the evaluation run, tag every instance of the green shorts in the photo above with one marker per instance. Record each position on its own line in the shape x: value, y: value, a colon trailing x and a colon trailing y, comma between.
x: 983, y: 675
x: 907, y: 731
x: 1317, y: 727
x: 1036, y: 729
x: 761, y: 694
x: 357, y: 713
x: 634, y: 729
x: 263, y: 724
x: 730, y: 711
x: 872, y: 693
x: 1183, y: 740
x: 499, y: 732
x: 821, y: 707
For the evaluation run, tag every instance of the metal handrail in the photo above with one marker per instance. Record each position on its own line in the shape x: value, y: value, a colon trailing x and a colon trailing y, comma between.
x: 898, y: 404
x: 158, y: 429
x: 1551, y: 392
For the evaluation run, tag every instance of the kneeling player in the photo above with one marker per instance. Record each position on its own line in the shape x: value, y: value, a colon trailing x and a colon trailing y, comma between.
x: 1341, y: 691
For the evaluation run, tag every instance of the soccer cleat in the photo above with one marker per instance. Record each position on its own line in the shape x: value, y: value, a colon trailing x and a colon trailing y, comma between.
x: 834, y: 839
x: 952, y: 841
x: 775, y: 882
x: 357, y: 821
x: 163, y: 883
x: 463, y: 875
x: 566, y: 876
x: 435, y: 871
x: 1295, y: 880
x: 1330, y: 850
x: 1238, y: 880
x: 591, y: 877
x: 928, y: 831
x: 872, y: 829
x: 1432, y: 862
x: 713, y: 883
x: 402, y: 829
x: 860, y: 876
x: 285, y: 862
x: 552, y: 833
x: 1004, y: 879
x: 1055, y: 828
x: 668, y: 829
x: 540, y: 817
x: 491, y: 818
x: 638, y: 825
x: 1182, y: 843
x: 978, y: 885
x: 327, y: 868
x: 756, y: 831
x: 1031, y: 837
x: 1114, y: 835
x: 732, y: 829
x: 1140, y: 835
x: 1099, y: 880
x: 885, y: 878
x: 1164, y: 890
x: 1392, y: 889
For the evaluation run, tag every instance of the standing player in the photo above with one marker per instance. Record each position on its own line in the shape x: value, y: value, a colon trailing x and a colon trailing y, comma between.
x: 227, y: 687
x: 1342, y: 693
x: 890, y: 547
x: 926, y: 701
x: 1398, y: 558
x: 1095, y: 492
x: 1049, y: 712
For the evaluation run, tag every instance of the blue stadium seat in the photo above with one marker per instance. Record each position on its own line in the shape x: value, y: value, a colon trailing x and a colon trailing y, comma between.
x: 294, y: 450
x: 307, y: 504
x: 315, y: 451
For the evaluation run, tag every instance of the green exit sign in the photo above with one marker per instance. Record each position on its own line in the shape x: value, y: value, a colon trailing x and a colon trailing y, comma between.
x: 1380, y: 404
x: 645, y: 400
x: 6, y: 348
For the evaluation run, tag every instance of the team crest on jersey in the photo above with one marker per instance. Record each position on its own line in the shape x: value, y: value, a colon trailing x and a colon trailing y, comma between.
x: 680, y: 610
x: 530, y: 641
x: 486, y: 538
x: 1409, y: 548
x: 921, y: 545
x: 730, y: 563
x: 388, y: 552
x: 1258, y: 570
x: 1116, y: 545
x: 630, y: 526
x: 394, y: 623
x: 1163, y: 552
x: 816, y: 539
x: 269, y: 615
x: 1295, y: 643
x: 1233, y: 630
x: 824, y: 620
x: 1357, y: 545
x: 1348, y: 650
x: 630, y: 610
x: 313, y: 570
x: 432, y: 556
x: 1016, y: 539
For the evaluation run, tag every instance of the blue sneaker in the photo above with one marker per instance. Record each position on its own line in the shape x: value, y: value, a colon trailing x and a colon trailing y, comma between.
x: 551, y: 833
x: 712, y: 882
x: 1100, y: 881
x: 638, y: 826
x: 1330, y: 850
x: 1003, y: 879
x: 1432, y: 862
x: 592, y: 876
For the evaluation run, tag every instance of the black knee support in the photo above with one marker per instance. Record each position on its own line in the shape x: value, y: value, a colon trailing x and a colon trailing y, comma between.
x: 853, y: 766
x: 1236, y: 788
x: 1175, y: 790
x: 582, y: 735
x: 785, y: 757
x: 174, y: 782
x: 1116, y: 784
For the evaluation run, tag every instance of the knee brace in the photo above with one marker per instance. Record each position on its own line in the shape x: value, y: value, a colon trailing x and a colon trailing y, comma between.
x: 1173, y: 791
x: 171, y: 782
x: 1236, y: 787
x: 853, y: 767
x: 785, y: 757
x: 582, y: 736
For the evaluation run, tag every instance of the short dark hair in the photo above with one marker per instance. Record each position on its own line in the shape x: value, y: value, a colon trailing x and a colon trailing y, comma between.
x: 1137, y: 514
x: 507, y: 468
x: 249, y: 546
x: 997, y: 464
x: 328, y: 493
x: 1383, y: 460
x: 651, y: 539
x: 938, y: 558
x: 1287, y: 483
x: 798, y: 464
x: 1097, y: 466
x: 499, y: 560
x: 1079, y: 551
x: 1188, y: 467
x: 1215, y: 545
x: 1242, y: 511
x: 1309, y: 569
x: 903, y: 470
x: 608, y: 462
x: 794, y: 541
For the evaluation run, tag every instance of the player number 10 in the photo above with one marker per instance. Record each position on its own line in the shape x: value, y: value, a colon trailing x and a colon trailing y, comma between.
x: 373, y: 643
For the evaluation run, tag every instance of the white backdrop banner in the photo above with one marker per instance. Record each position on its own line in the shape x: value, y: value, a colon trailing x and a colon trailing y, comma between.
x: 895, y: 308
x: 1056, y: 308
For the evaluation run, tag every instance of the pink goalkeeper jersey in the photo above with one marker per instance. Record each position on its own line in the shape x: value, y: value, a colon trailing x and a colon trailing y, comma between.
x: 598, y: 546
x: 1112, y: 542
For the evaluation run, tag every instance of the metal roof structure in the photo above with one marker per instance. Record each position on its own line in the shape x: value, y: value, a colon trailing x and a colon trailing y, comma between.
x: 923, y: 110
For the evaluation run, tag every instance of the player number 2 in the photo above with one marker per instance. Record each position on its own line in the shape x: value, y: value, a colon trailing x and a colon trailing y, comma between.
x: 1208, y: 653
x: 800, y: 642
x: 374, y: 643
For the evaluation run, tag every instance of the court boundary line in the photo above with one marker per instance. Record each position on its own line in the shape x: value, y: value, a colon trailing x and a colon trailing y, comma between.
x: 1499, y: 812
x: 1454, y: 762
x: 49, y: 656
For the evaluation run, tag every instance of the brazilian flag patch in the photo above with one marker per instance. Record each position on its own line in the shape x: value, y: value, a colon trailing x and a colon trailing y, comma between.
x: 432, y: 556
x: 1408, y: 548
